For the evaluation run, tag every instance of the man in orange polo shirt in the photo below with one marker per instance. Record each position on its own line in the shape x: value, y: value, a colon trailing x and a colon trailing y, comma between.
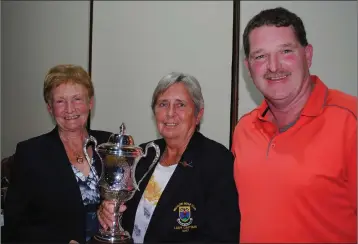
x: 296, y: 154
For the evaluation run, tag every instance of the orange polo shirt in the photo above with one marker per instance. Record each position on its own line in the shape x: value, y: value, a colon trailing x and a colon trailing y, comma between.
x: 299, y: 185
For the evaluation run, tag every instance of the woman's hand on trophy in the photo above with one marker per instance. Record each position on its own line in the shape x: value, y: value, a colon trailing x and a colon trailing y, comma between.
x: 105, y: 213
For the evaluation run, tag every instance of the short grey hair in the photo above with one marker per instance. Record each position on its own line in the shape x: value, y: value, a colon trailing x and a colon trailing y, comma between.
x: 191, y: 84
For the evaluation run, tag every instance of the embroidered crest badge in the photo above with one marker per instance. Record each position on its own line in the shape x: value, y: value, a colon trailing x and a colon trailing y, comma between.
x: 185, y: 216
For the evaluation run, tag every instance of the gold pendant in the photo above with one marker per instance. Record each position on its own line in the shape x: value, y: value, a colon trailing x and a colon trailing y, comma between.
x: 79, y: 159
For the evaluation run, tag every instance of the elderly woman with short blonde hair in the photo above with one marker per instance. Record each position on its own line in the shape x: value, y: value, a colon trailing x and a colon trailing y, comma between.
x: 53, y: 196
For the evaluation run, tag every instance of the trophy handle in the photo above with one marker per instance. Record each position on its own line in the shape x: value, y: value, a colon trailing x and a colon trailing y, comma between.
x: 94, y: 141
x: 157, y: 155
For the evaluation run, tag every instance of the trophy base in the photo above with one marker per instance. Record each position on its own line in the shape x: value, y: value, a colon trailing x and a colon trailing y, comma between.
x: 110, y: 237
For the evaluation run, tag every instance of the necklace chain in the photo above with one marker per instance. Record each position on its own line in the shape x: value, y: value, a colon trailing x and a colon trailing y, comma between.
x: 79, y: 157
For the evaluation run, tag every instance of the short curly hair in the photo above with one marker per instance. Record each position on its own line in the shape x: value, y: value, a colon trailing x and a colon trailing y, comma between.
x: 64, y: 73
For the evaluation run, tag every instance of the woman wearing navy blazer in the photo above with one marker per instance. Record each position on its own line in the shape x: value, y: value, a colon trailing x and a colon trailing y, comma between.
x: 53, y: 196
x: 190, y: 196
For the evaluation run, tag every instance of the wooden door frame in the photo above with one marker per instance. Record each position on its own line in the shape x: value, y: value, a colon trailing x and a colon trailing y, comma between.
x: 90, y: 47
x: 234, y: 103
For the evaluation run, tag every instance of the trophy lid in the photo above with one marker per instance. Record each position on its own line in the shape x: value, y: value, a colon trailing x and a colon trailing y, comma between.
x: 121, y: 144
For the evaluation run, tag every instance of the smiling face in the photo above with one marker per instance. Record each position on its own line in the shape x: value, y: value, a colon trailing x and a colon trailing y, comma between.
x: 70, y: 106
x: 175, y: 113
x: 278, y: 63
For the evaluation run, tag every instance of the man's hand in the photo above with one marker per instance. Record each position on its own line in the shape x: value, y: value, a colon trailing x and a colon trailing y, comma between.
x: 105, y: 213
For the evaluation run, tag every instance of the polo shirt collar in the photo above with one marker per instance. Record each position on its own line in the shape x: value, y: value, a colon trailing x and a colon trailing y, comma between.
x: 317, y: 99
x: 314, y: 105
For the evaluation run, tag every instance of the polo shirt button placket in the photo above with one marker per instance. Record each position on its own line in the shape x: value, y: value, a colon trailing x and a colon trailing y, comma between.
x: 270, y: 148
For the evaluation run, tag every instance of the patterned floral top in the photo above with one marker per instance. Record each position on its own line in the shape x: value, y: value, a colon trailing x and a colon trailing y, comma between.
x: 90, y: 196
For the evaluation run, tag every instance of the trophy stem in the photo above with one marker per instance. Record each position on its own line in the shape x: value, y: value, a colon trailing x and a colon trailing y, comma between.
x: 116, y: 233
x: 118, y: 217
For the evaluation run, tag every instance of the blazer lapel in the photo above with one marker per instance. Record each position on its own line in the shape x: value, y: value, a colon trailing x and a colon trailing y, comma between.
x: 175, y: 184
x: 141, y: 169
x: 62, y: 166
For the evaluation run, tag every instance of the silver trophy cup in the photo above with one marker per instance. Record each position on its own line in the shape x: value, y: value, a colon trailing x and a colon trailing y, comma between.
x: 119, y: 158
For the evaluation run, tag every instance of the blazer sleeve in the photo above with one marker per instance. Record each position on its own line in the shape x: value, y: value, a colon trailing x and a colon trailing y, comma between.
x: 17, y: 201
x: 222, y: 208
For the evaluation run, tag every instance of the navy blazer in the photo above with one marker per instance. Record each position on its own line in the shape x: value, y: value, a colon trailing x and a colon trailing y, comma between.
x: 203, y: 182
x: 44, y: 202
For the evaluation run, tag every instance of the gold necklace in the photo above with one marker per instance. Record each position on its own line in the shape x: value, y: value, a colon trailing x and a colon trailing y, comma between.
x: 79, y: 158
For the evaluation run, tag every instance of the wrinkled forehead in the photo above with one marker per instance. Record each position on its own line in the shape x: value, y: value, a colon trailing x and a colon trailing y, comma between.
x: 69, y: 89
x: 177, y: 91
x: 268, y: 37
